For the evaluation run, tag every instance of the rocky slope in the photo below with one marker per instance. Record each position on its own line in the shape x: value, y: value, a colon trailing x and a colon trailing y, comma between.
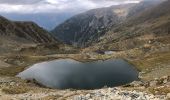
x: 142, y: 39
x: 14, y: 35
x: 85, y: 28
x: 16, y: 89
x: 143, y: 6
x: 27, y: 31
x: 145, y: 27
x: 27, y: 38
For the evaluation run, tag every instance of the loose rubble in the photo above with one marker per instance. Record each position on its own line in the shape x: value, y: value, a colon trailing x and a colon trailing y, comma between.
x: 118, y: 94
x: 136, y: 90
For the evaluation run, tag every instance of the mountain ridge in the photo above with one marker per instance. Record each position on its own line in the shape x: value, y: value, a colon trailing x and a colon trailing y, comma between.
x: 148, y: 25
x: 85, y: 28
x: 25, y: 30
x: 89, y: 27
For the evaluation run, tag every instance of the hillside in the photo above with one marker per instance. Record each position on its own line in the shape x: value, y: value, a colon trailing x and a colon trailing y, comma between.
x: 27, y: 31
x: 27, y: 38
x: 138, y: 34
x: 83, y: 29
x: 149, y: 26
x: 143, y: 39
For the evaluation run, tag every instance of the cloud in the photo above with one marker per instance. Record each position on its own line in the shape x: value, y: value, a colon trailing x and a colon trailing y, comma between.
x: 23, y: 2
x: 55, y: 6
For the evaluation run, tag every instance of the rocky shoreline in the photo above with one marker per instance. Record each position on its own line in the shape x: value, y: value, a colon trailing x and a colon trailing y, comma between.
x: 152, y: 88
x: 16, y: 89
x: 118, y: 94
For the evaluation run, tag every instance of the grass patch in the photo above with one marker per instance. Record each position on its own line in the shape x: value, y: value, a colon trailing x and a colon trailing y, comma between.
x: 11, y: 71
x: 152, y: 61
x: 15, y: 90
x: 161, y: 90
x: 17, y: 68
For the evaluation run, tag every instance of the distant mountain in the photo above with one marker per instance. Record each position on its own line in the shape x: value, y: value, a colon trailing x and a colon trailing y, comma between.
x: 46, y: 20
x: 85, y: 28
x: 27, y: 31
x: 26, y: 37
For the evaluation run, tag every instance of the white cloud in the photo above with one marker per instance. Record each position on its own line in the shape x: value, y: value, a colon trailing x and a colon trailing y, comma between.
x: 55, y: 6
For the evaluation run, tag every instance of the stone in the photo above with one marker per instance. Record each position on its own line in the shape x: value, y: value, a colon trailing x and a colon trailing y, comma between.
x: 12, y: 83
x: 168, y: 95
x: 165, y: 79
x: 168, y: 78
x: 88, y: 95
x: 153, y: 83
x: 136, y: 83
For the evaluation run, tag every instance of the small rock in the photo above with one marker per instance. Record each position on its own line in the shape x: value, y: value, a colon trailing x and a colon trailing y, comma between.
x: 153, y: 83
x: 165, y: 81
x: 5, y: 60
x: 133, y: 96
x: 88, y: 95
x: 168, y: 78
x: 167, y: 84
x: 12, y: 83
x: 136, y: 83
x: 156, y: 92
x: 168, y: 95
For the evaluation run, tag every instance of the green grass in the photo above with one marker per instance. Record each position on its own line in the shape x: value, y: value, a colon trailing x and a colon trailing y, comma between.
x: 152, y: 61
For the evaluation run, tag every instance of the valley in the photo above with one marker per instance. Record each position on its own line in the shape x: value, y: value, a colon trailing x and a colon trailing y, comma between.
x: 139, y: 36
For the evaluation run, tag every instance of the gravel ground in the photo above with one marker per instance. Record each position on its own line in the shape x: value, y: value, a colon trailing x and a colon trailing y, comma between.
x: 100, y: 94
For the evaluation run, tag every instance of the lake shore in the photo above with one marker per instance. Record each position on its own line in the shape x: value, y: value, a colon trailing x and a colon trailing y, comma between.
x: 152, y: 67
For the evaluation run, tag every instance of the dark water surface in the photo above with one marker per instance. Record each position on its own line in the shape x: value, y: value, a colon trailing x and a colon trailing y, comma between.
x: 68, y: 73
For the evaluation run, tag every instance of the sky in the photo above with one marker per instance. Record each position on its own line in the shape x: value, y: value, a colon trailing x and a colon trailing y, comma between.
x: 55, y: 6
x: 50, y: 13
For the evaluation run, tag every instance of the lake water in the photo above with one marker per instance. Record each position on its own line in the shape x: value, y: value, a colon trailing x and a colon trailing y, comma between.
x: 68, y: 73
